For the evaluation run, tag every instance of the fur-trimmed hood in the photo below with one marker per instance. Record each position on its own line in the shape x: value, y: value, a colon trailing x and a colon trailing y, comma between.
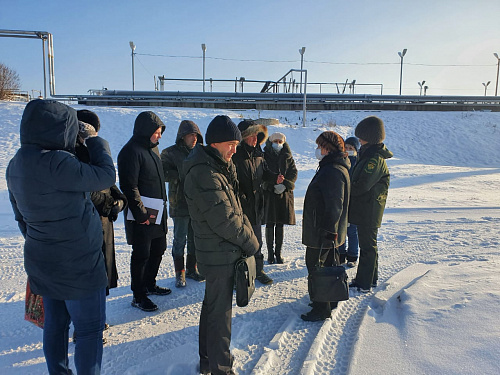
x: 250, y: 127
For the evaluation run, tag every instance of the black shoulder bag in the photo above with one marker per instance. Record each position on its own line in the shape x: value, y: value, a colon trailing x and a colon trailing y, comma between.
x: 244, y: 274
x: 327, y: 284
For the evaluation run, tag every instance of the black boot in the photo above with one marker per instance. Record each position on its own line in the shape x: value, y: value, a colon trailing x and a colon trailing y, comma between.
x: 261, y: 275
x: 191, y: 269
x: 279, y: 244
x: 269, y: 243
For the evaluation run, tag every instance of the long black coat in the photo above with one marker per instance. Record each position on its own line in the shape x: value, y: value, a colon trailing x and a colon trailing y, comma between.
x: 104, y: 201
x: 141, y: 174
x: 279, y: 208
x: 172, y: 159
x: 49, y: 191
x: 326, y: 202
x: 222, y: 233
x: 252, y: 170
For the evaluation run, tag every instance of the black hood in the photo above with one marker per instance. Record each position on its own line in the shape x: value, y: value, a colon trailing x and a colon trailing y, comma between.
x: 146, y: 124
x: 50, y: 125
x: 187, y: 127
x: 336, y: 158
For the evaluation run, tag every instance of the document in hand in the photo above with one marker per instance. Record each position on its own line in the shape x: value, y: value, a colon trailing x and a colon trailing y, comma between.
x: 154, y: 206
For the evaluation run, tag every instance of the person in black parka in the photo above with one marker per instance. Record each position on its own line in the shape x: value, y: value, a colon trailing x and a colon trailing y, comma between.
x: 350, y: 252
x: 278, y: 198
x: 141, y: 175
x: 326, y: 203
x: 252, y: 171
x: 49, y: 192
x: 108, y: 202
x: 172, y: 158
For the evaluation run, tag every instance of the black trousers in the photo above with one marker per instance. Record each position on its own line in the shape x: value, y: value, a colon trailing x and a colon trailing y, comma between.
x: 215, y: 319
x: 329, y: 257
x: 145, y: 263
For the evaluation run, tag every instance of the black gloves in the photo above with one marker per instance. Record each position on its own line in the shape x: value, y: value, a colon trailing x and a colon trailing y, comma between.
x: 328, y: 239
x: 116, y: 209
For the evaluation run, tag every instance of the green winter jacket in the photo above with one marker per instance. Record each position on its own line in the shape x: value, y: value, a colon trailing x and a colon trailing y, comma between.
x: 369, y: 186
x: 222, y: 233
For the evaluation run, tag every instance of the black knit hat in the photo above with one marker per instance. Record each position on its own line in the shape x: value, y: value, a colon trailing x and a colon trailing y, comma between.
x: 371, y: 130
x: 222, y: 129
x: 89, y: 117
x: 353, y: 141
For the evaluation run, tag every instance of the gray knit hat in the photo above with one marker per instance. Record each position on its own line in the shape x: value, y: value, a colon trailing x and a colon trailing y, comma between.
x: 371, y: 130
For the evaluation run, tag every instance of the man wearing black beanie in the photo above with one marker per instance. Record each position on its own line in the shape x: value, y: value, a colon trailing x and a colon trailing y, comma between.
x: 222, y: 234
x: 369, y: 186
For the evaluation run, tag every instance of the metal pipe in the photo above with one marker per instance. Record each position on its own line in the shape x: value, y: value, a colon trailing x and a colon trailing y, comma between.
x: 305, y: 101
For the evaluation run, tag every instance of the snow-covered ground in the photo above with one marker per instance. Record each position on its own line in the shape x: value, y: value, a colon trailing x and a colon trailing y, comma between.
x: 435, y: 310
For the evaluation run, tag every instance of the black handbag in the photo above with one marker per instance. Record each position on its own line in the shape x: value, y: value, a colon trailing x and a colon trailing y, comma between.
x: 327, y: 284
x: 244, y: 274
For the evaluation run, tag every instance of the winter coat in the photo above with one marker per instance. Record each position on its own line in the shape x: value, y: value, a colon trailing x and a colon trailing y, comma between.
x: 222, y: 233
x: 104, y: 200
x: 370, y: 184
x: 172, y: 159
x: 279, y: 208
x: 49, y: 191
x: 252, y: 169
x: 141, y: 174
x: 326, y: 202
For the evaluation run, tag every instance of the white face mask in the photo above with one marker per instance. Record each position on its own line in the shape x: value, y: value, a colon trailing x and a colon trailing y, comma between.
x: 318, y: 154
x: 277, y: 146
x: 351, y: 153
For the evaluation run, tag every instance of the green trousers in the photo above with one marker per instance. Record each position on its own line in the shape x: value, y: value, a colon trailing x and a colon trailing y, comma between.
x: 367, y: 272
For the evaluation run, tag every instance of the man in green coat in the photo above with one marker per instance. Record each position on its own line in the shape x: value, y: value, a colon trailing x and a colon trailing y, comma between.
x: 222, y: 234
x: 369, y: 187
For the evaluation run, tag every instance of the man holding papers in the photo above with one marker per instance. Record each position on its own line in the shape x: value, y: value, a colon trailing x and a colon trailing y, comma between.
x: 141, y: 180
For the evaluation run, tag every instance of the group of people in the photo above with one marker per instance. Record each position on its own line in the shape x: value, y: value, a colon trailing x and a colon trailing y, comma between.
x: 62, y: 188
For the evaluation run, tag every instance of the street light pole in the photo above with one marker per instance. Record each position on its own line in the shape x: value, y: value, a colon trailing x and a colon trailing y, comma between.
x: 401, y: 54
x: 498, y: 67
x: 301, y: 51
x: 486, y: 86
x: 203, y: 48
x: 421, y: 84
x: 132, y: 47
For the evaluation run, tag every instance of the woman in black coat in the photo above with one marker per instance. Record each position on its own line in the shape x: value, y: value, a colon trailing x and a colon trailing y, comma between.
x: 278, y: 198
x: 108, y: 202
x: 324, y: 224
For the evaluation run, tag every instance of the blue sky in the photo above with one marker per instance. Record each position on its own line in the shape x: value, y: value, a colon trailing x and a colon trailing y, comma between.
x: 450, y: 43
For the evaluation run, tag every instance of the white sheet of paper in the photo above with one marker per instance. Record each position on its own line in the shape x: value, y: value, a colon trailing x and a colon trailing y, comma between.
x: 154, y: 203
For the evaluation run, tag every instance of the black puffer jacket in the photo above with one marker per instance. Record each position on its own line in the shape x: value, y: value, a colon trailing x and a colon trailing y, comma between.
x: 172, y: 159
x: 141, y: 174
x: 326, y: 202
x: 252, y: 170
x: 279, y: 208
x: 221, y: 231
x: 49, y: 191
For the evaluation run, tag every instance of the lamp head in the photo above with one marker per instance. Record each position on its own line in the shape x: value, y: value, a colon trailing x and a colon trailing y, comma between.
x: 132, y: 45
x: 203, y: 47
